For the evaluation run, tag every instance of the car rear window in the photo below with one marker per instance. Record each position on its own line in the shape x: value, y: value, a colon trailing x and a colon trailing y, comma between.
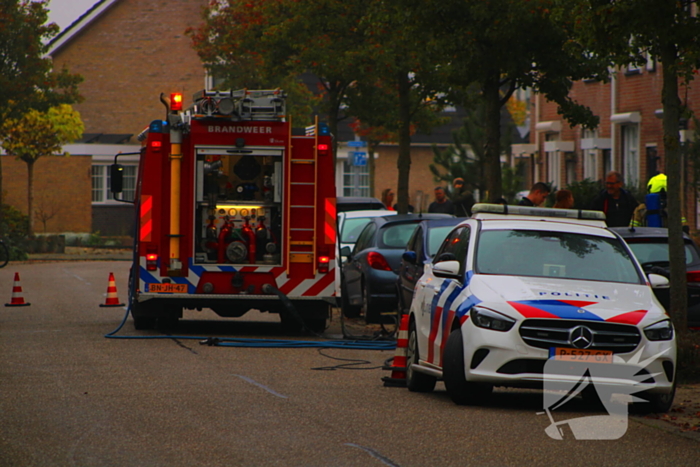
x: 352, y: 229
x: 554, y: 254
x: 656, y: 251
x: 396, y: 235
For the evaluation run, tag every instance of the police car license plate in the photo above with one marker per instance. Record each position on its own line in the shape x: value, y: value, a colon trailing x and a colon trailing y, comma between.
x: 583, y: 355
x: 167, y: 288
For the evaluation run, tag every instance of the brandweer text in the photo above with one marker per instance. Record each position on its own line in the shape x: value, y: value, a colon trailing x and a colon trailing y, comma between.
x: 239, y: 129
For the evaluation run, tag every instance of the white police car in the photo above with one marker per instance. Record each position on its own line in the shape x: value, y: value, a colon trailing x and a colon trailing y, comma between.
x: 515, y: 287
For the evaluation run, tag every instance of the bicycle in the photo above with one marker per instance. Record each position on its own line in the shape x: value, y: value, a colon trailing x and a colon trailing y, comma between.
x: 4, y: 254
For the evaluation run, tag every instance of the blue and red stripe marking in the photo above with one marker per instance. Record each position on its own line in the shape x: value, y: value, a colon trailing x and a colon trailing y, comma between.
x: 442, y: 317
x: 571, y: 309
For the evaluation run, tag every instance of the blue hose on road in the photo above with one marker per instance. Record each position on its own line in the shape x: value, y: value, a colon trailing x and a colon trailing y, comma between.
x: 265, y: 343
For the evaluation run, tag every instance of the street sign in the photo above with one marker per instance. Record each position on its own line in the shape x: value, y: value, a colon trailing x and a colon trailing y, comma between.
x: 357, y: 144
x: 359, y: 158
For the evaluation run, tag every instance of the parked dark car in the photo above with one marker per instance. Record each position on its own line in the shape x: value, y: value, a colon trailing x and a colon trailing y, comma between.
x: 357, y: 203
x: 650, y: 246
x: 422, y: 246
x: 368, y: 283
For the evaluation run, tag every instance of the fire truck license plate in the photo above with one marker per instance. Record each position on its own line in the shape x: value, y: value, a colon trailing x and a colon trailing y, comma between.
x: 583, y: 355
x: 167, y: 288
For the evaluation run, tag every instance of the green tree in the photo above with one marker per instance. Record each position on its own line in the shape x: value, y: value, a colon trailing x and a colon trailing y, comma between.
x: 343, y: 44
x: 27, y: 77
x: 467, y: 157
x: 258, y: 43
x: 37, y: 134
x: 502, y: 45
x: 375, y: 104
x: 669, y: 31
x: 401, y: 66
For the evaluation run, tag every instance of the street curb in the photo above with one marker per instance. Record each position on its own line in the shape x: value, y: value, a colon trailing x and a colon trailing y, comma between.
x: 666, y: 426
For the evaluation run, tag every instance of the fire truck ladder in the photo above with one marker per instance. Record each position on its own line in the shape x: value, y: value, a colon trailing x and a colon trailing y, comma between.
x: 302, y: 231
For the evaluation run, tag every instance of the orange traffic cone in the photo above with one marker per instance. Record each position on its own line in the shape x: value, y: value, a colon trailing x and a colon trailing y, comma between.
x: 398, y: 367
x: 112, y: 299
x: 17, y: 299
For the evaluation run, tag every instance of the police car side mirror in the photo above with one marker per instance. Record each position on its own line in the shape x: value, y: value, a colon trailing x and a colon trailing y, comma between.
x: 658, y: 281
x: 447, y: 269
x: 345, y: 251
x: 409, y: 257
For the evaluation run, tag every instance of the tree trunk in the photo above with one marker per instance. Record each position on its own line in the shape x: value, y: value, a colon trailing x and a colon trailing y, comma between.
x: 404, y: 160
x: 2, y: 201
x: 332, y: 116
x: 492, y: 136
x: 30, y: 196
x: 671, y: 104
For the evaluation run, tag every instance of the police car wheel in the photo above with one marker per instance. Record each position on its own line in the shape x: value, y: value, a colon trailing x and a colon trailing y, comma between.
x: 416, y: 381
x: 458, y: 388
x: 654, y: 403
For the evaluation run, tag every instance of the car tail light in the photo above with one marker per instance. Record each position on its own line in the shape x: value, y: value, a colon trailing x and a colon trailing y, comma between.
x: 377, y: 261
x: 693, y: 277
x: 156, y: 145
x: 151, y: 260
x: 323, y: 262
x: 323, y: 149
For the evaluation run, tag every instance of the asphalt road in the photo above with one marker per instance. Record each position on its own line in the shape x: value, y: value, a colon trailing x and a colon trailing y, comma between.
x: 71, y: 397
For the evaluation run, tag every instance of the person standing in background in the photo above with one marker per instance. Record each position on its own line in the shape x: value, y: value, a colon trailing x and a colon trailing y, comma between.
x: 564, y: 199
x: 462, y: 198
x: 441, y: 205
x: 411, y: 209
x: 538, y: 193
x: 388, y: 198
x: 617, y: 203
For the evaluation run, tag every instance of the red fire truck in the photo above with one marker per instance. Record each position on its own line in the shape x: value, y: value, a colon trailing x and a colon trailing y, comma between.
x: 235, y: 211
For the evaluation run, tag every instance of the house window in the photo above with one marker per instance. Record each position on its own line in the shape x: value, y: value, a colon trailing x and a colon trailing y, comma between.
x: 630, y: 154
x: 570, y: 167
x: 355, y: 179
x: 101, y: 183
x: 590, y: 157
x: 607, y: 161
x: 553, y: 164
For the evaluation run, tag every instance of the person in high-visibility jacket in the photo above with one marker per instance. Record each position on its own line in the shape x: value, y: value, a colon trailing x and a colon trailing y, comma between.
x: 657, y: 183
x: 652, y: 206
x: 652, y: 213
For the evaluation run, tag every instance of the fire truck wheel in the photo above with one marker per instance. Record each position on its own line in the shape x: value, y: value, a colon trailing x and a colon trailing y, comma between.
x: 144, y: 322
x: 317, y: 325
x: 290, y: 323
x: 168, y: 322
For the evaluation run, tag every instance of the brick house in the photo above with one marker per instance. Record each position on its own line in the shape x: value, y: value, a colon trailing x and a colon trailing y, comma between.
x: 629, y: 138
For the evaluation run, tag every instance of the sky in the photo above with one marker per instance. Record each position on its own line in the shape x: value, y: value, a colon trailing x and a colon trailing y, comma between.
x: 64, y: 12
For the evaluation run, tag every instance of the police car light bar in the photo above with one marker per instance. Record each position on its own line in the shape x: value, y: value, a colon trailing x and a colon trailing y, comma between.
x: 537, y: 212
